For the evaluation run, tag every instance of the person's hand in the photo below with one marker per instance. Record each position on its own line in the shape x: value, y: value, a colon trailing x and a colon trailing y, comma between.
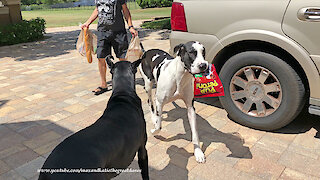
x: 85, y: 25
x: 133, y: 32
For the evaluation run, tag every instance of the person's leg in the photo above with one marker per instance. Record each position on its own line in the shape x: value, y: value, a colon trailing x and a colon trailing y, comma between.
x: 102, y: 69
x: 103, y: 49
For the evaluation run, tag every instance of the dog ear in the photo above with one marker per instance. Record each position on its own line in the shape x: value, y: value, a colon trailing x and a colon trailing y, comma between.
x: 136, y: 63
x: 109, y: 61
x: 177, y: 48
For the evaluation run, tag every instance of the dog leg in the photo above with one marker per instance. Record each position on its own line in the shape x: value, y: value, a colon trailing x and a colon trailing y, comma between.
x: 148, y: 87
x: 143, y: 162
x: 156, y: 117
x: 148, y: 84
x: 200, y: 158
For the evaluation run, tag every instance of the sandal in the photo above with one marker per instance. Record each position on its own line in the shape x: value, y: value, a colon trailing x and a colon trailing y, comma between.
x: 100, y: 90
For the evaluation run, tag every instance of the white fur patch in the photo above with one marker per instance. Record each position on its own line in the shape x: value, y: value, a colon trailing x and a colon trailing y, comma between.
x: 197, y: 46
x: 200, y: 158
x: 155, y: 57
x: 162, y: 65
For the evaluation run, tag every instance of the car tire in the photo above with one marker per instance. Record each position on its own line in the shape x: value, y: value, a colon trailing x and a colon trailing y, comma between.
x: 268, y: 110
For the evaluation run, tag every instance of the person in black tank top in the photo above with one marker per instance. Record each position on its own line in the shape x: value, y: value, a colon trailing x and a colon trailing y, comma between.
x: 111, y: 33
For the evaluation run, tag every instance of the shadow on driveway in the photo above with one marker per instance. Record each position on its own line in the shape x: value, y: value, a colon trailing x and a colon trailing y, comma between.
x: 301, y: 124
x: 54, y: 44
x: 3, y: 102
x: 25, y: 145
x: 233, y: 141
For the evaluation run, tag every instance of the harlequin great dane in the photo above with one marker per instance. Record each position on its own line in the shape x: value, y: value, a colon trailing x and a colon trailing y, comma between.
x: 174, y: 79
x: 112, y: 141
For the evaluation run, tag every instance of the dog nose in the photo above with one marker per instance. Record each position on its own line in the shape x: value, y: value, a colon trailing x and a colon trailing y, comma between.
x: 203, y: 67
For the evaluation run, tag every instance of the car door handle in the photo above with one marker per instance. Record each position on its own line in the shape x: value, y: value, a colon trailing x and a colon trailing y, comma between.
x: 309, y: 14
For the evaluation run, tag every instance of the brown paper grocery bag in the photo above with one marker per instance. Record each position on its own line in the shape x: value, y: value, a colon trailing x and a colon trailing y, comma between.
x: 135, y: 50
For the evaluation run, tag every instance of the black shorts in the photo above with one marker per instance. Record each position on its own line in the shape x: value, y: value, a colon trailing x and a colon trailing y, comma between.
x: 117, y: 39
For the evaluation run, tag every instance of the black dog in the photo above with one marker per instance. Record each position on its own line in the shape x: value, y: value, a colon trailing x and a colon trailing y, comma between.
x: 112, y: 141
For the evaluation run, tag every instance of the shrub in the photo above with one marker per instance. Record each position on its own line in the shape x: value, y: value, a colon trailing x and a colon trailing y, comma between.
x: 154, y: 3
x: 142, y: 3
x: 166, y: 3
x: 25, y: 31
x: 158, y: 24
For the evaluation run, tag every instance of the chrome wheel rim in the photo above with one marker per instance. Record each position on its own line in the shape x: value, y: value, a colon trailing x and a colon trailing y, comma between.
x: 256, y: 91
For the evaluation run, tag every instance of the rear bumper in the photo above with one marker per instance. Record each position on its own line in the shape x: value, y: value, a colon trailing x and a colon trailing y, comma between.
x: 315, y: 101
x: 314, y: 110
x: 314, y: 107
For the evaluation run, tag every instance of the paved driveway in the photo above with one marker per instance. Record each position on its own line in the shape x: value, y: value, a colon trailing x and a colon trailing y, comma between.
x: 45, y: 95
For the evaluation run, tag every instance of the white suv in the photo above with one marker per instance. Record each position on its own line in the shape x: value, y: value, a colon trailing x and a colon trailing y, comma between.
x: 267, y: 53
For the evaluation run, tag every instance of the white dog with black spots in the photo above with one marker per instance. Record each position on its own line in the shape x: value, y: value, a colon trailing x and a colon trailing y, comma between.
x: 174, y: 80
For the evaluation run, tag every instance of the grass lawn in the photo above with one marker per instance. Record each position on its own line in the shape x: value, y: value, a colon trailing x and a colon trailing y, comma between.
x: 159, y: 24
x: 74, y: 16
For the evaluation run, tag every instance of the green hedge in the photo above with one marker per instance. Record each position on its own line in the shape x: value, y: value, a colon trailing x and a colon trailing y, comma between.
x: 154, y: 3
x: 158, y: 24
x: 24, y: 31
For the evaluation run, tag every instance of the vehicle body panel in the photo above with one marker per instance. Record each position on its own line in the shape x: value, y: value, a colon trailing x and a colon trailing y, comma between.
x: 305, y: 32
x: 236, y: 15
x: 241, y: 20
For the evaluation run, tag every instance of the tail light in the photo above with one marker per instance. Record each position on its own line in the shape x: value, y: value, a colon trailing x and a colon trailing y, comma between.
x: 178, y: 17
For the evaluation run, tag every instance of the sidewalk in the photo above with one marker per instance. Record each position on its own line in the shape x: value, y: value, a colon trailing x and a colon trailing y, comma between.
x: 45, y: 96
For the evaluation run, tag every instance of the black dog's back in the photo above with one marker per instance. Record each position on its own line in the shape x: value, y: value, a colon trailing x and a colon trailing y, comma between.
x: 113, y: 146
x: 111, y: 142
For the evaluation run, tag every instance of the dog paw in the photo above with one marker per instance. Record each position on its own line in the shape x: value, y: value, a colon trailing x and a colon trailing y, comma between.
x: 200, y: 158
x: 155, y: 131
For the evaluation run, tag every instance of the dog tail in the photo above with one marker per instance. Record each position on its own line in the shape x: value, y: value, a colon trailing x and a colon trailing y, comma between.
x: 142, y: 48
x: 144, y: 53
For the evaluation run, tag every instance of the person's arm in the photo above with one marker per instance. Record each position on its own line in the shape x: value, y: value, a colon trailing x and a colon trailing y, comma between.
x: 93, y: 17
x: 127, y: 16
